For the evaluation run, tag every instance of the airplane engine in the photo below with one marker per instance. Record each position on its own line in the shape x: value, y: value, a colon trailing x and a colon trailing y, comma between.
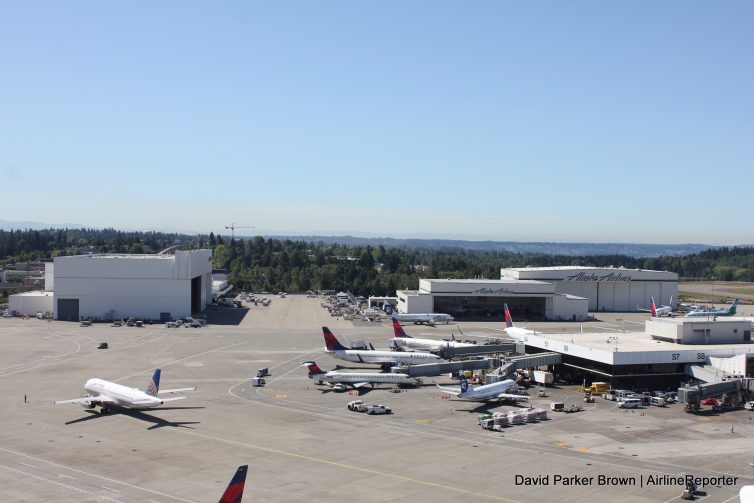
x: 89, y: 404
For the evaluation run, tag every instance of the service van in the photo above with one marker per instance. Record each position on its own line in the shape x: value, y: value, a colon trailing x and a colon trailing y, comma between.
x: 657, y: 401
x: 629, y: 403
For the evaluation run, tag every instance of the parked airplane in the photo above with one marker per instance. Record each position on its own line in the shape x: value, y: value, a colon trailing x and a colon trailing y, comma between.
x: 659, y: 311
x: 355, y: 379
x: 731, y: 311
x: 499, y: 390
x: 512, y: 330
x: 337, y: 350
x: 105, y: 393
x: 418, y: 318
x: 403, y: 340
x: 234, y: 492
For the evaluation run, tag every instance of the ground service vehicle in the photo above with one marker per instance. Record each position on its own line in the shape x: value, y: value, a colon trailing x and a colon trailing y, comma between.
x: 258, y: 381
x: 749, y: 406
x: 557, y: 406
x: 379, y: 409
x: 657, y: 401
x: 102, y: 345
x: 629, y: 403
x: 357, y: 406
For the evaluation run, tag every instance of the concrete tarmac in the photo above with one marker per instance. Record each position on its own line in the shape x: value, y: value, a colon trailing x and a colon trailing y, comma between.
x: 300, y: 441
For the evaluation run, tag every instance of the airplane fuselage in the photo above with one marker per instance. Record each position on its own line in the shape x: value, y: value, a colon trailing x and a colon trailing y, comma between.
x: 429, y: 318
x: 428, y: 344
x: 122, y: 395
x: 362, y: 377
x: 489, y: 391
x: 383, y: 357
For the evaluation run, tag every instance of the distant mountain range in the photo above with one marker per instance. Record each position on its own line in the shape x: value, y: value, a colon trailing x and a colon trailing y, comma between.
x: 545, y: 248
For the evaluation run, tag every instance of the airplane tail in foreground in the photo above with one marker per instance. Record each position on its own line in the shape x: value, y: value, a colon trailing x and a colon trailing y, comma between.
x: 398, y: 330
x: 153, y: 388
x: 508, y: 319
x: 234, y: 492
x: 331, y: 342
x: 313, y: 369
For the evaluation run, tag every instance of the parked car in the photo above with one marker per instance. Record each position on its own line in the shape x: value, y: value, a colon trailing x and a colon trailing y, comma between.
x: 102, y: 345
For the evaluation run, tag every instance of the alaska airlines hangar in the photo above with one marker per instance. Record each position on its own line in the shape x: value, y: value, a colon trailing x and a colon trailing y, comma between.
x: 542, y: 293
x: 484, y: 299
x: 607, y: 288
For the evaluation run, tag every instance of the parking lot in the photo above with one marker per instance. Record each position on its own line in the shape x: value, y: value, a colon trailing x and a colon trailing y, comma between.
x: 300, y: 441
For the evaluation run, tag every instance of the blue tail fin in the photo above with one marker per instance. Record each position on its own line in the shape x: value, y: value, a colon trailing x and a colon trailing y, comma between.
x: 153, y: 388
x: 464, y: 384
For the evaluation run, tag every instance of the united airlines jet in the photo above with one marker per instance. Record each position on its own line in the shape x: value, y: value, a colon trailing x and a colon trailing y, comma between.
x: 105, y: 393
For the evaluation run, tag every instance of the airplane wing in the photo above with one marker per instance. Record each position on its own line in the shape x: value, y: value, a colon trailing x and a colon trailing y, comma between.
x: 359, y: 384
x: 447, y: 390
x: 150, y: 402
x: 100, y: 398
x: 176, y: 390
x: 510, y: 396
x: 172, y: 399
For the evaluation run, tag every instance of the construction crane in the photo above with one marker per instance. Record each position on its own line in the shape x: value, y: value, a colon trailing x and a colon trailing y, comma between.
x: 233, y: 228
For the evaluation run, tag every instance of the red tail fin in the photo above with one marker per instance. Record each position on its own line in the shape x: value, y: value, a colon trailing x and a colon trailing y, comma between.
x: 313, y: 368
x: 331, y: 342
x: 654, y: 308
x: 398, y: 330
x: 234, y: 492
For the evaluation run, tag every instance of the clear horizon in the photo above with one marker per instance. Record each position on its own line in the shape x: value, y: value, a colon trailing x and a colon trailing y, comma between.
x: 608, y: 123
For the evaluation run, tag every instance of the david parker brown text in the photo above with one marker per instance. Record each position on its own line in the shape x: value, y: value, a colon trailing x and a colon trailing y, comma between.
x: 641, y: 481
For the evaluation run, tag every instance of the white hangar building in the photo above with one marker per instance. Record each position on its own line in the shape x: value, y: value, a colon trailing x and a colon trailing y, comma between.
x: 485, y: 299
x: 607, y: 288
x: 116, y: 286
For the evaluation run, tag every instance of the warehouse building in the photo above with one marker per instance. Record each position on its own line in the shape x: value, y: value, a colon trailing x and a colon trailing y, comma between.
x: 607, y: 288
x: 117, y: 286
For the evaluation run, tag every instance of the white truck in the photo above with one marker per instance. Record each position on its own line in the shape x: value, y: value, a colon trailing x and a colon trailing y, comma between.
x: 543, y: 377
x: 379, y: 409
x: 357, y: 406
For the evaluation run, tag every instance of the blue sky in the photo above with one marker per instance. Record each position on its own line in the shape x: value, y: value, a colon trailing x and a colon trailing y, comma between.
x: 548, y: 121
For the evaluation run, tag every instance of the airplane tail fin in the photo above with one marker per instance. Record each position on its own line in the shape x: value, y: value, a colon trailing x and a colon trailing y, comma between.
x: 331, y: 342
x: 464, y: 384
x: 398, y: 330
x: 153, y: 388
x: 387, y: 307
x: 732, y: 308
x: 508, y: 319
x: 313, y: 368
x: 234, y: 492
x: 654, y: 308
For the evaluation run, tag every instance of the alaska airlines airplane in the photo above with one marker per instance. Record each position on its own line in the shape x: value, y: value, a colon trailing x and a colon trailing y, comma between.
x: 497, y: 390
x: 234, y: 492
x: 659, y: 311
x: 335, y: 349
x: 512, y: 330
x: 104, y: 393
x: 731, y: 311
x: 418, y: 318
x: 355, y: 379
x: 403, y: 340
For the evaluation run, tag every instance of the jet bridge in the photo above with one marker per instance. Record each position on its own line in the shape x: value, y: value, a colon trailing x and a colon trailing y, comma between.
x: 476, y: 350
x: 513, y: 363
x: 434, y: 369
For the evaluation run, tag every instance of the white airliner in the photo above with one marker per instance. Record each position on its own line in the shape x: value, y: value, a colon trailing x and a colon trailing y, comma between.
x: 659, y: 311
x: 511, y: 330
x: 105, y: 393
x: 355, y: 379
x: 418, y: 318
x: 335, y: 349
x: 403, y: 340
x: 505, y: 390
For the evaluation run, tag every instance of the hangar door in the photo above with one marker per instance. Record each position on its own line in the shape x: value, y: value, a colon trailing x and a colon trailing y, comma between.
x: 196, y: 294
x: 68, y: 309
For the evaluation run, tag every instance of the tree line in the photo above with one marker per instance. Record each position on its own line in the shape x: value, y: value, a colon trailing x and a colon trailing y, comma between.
x: 295, y: 265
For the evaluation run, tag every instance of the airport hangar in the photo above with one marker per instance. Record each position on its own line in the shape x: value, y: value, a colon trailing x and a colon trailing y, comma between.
x: 668, y: 352
x: 542, y: 293
x: 115, y: 286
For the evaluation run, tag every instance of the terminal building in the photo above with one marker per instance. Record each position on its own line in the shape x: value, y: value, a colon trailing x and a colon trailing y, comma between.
x: 542, y: 293
x: 668, y: 352
x: 116, y: 286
